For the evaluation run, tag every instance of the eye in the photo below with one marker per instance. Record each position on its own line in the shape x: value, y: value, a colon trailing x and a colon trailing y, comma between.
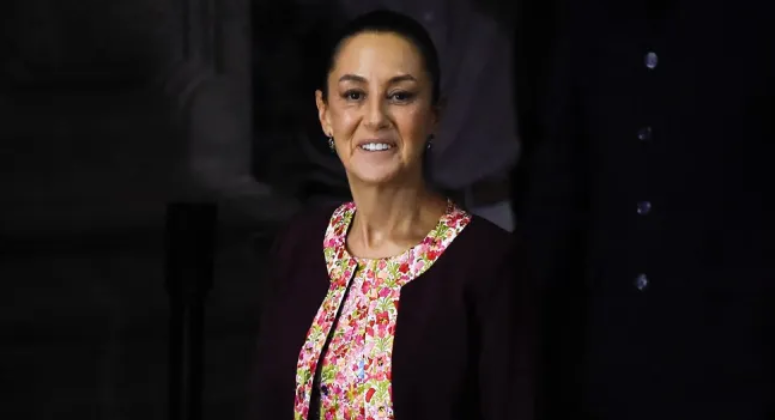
x: 353, y: 95
x: 401, y: 96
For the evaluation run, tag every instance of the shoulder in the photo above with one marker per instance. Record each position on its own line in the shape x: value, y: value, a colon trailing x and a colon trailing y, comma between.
x: 493, y: 262
x: 485, y: 241
x: 306, y: 228
x: 316, y: 217
x: 485, y: 228
x: 479, y: 251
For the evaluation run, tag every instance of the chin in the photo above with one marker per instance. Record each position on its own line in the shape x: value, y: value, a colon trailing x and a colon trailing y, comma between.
x: 375, y: 176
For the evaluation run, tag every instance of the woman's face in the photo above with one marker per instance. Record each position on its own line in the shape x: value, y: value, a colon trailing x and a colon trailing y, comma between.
x: 379, y: 108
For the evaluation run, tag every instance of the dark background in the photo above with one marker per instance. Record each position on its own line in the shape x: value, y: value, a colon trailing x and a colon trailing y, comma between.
x: 111, y: 109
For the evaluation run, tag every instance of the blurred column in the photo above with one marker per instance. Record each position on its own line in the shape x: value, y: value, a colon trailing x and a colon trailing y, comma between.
x: 190, y: 246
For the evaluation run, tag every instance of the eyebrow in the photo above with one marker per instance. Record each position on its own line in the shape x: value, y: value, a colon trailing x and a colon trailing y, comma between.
x: 359, y: 79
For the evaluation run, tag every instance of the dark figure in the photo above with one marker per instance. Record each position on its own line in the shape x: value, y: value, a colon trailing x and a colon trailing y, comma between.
x: 646, y: 212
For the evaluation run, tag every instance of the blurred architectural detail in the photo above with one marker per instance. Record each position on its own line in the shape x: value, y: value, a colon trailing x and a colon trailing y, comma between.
x: 126, y: 101
x: 110, y: 110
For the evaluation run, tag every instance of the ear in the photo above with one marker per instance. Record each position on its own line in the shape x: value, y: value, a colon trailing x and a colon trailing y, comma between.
x: 323, y: 115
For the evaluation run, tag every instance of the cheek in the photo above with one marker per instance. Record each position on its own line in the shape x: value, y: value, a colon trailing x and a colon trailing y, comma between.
x: 345, y: 120
x: 414, y: 127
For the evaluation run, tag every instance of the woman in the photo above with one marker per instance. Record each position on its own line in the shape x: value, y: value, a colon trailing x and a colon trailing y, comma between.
x: 399, y: 304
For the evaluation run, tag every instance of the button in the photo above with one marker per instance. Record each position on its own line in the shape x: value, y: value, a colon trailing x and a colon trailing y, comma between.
x: 644, y: 134
x: 652, y: 60
x: 644, y: 208
x: 642, y: 282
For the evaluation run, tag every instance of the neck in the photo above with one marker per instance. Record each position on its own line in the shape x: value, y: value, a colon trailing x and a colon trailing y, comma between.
x: 396, y: 214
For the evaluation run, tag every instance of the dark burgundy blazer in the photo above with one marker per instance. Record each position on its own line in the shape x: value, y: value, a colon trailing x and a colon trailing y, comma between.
x: 463, y: 336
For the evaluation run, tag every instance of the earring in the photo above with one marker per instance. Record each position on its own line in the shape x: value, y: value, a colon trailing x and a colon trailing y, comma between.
x: 429, y: 143
x: 331, y: 144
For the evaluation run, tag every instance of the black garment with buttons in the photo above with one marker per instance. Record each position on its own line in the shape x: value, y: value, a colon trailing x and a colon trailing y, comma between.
x: 646, y: 204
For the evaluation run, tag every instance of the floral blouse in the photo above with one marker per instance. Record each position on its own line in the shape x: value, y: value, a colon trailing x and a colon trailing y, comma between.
x: 355, y: 375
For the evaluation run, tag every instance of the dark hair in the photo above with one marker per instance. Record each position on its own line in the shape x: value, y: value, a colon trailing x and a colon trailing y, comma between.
x: 386, y: 21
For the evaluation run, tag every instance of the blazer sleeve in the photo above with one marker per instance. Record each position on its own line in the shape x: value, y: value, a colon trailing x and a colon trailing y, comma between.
x: 293, y: 239
x: 270, y: 281
x: 506, y: 316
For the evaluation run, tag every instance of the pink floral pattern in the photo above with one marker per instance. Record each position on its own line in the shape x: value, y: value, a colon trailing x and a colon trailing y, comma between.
x: 356, y: 372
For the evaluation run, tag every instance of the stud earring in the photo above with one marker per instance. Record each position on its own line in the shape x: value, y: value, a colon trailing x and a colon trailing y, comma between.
x: 331, y: 144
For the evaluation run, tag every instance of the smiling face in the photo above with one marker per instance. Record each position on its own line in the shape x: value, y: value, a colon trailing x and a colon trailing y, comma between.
x: 379, y: 109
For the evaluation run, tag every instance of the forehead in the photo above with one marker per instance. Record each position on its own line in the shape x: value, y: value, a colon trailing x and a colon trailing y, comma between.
x: 373, y: 54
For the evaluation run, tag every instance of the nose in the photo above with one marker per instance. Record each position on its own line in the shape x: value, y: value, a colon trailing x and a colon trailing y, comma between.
x: 376, y: 114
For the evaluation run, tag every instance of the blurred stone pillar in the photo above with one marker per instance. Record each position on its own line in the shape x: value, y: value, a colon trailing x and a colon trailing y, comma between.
x: 208, y: 86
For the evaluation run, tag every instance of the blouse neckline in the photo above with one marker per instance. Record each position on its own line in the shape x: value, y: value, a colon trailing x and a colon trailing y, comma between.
x: 430, y: 236
x: 341, y: 264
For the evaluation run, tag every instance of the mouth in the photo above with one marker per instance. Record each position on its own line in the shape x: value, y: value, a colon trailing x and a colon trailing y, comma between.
x: 376, y: 145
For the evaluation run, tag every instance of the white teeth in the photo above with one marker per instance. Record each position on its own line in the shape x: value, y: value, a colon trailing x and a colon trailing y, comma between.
x: 375, y: 147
